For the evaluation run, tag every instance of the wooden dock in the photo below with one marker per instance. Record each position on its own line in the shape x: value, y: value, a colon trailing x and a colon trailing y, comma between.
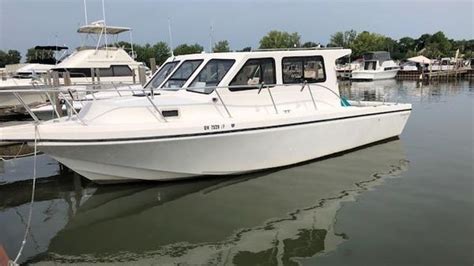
x: 462, y: 73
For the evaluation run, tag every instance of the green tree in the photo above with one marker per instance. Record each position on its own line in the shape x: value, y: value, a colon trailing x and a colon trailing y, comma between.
x: 393, y: 46
x: 188, y: 49
x: 406, y: 44
x: 221, y: 47
x: 422, y: 41
x: 40, y: 56
x: 466, y: 47
x: 342, y: 39
x: 310, y: 44
x: 438, y: 46
x: 160, y: 51
x: 366, y: 42
x: 280, y: 39
x: 9, y: 57
x: 246, y: 49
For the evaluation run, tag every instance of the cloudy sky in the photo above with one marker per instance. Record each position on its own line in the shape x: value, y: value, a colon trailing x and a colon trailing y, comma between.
x: 26, y: 23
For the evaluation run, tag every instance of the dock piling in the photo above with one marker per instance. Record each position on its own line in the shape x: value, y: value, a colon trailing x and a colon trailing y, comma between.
x: 153, y: 65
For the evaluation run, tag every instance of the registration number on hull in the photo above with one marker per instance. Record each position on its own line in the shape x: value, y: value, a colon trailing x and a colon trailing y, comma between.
x: 217, y: 127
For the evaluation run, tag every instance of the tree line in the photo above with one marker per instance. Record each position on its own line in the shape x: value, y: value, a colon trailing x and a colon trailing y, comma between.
x: 435, y: 45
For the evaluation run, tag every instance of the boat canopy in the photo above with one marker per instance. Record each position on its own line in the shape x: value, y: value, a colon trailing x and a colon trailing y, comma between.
x: 51, y: 47
x: 419, y: 59
x: 99, y: 27
x: 380, y: 56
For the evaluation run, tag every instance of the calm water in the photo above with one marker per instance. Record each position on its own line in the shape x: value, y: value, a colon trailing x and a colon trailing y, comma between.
x: 408, y: 201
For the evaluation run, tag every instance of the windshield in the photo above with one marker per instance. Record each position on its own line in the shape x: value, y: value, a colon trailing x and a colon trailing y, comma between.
x: 211, y: 75
x: 182, y: 74
x: 161, y: 75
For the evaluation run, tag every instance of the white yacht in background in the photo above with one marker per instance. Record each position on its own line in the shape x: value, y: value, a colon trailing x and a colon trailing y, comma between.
x: 111, y: 64
x: 102, y: 64
x: 220, y: 114
x: 376, y: 65
x: 345, y: 71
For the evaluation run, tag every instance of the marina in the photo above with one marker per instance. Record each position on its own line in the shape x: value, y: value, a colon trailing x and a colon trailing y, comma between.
x: 330, y: 200
x: 333, y: 145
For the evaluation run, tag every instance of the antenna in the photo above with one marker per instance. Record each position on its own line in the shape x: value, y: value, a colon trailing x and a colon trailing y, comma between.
x: 56, y: 48
x: 85, y: 11
x: 131, y: 44
x: 105, y: 24
x: 171, y: 39
x: 211, y: 33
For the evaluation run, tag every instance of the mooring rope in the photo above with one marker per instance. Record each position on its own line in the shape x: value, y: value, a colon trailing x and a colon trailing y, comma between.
x: 28, y: 224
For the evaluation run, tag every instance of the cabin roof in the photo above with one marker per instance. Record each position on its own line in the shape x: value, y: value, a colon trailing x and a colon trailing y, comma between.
x: 335, y: 53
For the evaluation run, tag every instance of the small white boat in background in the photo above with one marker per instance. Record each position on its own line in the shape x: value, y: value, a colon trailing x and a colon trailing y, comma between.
x: 30, y: 71
x: 217, y: 114
x: 443, y: 64
x: 376, y: 65
x: 345, y: 71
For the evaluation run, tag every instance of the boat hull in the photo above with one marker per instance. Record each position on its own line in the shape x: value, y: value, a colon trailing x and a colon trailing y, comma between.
x: 373, y: 74
x: 225, y: 153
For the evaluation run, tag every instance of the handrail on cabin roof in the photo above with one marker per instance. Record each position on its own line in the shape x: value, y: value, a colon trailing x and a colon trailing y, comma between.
x: 296, y: 49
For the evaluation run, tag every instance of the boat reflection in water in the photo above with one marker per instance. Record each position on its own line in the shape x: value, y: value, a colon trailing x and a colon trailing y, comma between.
x: 273, y: 216
x: 379, y: 90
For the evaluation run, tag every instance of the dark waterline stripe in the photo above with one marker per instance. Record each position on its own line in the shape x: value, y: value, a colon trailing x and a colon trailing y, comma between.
x: 209, y: 133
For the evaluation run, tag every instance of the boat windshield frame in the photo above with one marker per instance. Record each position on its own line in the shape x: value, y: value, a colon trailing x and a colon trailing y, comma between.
x: 184, y: 80
x: 167, y: 73
x: 203, y: 89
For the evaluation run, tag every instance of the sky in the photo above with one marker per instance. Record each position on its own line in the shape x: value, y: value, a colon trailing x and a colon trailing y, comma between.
x: 26, y: 23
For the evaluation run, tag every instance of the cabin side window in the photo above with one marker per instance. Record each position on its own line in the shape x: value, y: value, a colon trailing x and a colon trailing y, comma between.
x: 212, y: 73
x: 113, y: 71
x: 254, y: 72
x: 301, y: 69
x: 163, y: 72
x: 370, y: 65
x: 182, y: 74
x: 106, y: 72
x: 116, y: 71
x: 76, y: 72
x: 121, y: 71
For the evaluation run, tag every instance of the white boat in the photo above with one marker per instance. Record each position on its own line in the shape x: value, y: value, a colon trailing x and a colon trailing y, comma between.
x: 345, y: 71
x: 376, y: 65
x: 443, y: 64
x: 113, y: 64
x: 101, y: 64
x: 23, y: 76
x: 270, y: 109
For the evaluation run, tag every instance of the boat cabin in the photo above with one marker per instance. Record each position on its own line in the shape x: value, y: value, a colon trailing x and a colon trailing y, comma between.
x: 378, y: 60
x: 240, y: 71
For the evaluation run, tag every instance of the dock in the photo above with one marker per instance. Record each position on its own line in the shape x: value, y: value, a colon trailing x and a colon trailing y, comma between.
x: 461, y: 73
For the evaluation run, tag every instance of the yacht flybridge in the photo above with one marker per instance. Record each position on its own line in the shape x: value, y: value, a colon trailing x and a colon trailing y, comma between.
x: 217, y: 114
x: 110, y: 63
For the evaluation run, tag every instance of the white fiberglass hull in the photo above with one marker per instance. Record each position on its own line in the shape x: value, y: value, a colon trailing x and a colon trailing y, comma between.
x: 223, y: 153
x: 374, y: 74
